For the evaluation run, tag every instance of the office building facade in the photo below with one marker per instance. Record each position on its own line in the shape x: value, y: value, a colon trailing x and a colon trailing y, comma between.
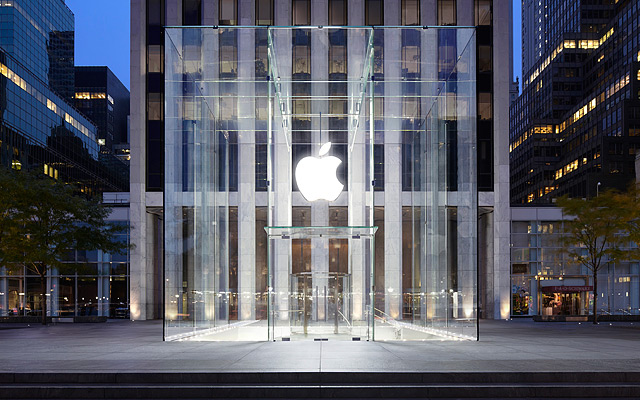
x: 545, y: 284
x: 263, y: 84
x: 101, y: 96
x: 41, y: 130
x: 574, y: 127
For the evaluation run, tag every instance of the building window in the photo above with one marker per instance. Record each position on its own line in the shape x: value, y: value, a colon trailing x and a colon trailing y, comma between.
x: 338, y: 12
x: 191, y: 12
x: 228, y: 12
x: 154, y: 58
x: 373, y: 14
x: 447, y: 12
x: 301, y: 12
x: 264, y: 12
x: 483, y: 12
x: 485, y: 107
x: 155, y: 13
x: 337, y: 60
x: 154, y: 107
x: 410, y: 12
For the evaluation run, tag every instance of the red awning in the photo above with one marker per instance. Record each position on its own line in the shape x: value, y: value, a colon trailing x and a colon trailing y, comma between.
x: 566, y: 289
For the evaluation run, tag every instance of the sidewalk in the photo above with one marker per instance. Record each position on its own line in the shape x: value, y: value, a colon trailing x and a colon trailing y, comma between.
x: 504, y: 346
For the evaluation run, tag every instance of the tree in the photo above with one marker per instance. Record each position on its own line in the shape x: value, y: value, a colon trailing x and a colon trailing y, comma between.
x: 9, y: 192
x: 629, y: 206
x: 47, y: 218
x: 594, y: 236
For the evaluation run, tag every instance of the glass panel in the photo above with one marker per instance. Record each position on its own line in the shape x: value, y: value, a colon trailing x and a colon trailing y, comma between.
x: 264, y: 12
x: 196, y: 182
x: 155, y: 62
x: 301, y: 12
x: 191, y: 12
x: 373, y: 12
x: 228, y: 12
x: 410, y: 12
x: 447, y: 13
x: 233, y: 126
x: 338, y: 12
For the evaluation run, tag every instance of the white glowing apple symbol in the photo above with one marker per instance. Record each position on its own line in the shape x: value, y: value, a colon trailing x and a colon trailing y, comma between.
x: 316, y: 176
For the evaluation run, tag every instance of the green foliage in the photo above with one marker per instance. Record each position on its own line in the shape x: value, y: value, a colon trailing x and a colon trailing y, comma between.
x: 597, y: 233
x: 593, y: 234
x: 629, y: 211
x: 41, y: 219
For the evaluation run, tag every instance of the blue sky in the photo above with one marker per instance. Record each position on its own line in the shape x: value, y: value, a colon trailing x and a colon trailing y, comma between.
x: 517, y: 39
x: 102, y: 34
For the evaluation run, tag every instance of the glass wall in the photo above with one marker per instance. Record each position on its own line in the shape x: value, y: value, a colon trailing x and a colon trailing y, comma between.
x: 362, y: 107
x: 93, y: 284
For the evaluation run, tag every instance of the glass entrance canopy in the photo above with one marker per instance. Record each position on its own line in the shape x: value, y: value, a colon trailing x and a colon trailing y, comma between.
x: 281, y: 146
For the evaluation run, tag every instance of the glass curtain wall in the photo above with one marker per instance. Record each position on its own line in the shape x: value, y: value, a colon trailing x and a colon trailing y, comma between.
x: 313, y: 93
x: 428, y: 99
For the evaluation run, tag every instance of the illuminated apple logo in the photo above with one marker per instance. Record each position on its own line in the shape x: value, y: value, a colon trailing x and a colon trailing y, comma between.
x: 316, y: 176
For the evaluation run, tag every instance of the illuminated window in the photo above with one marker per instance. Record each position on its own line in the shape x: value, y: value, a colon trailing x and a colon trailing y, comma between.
x: 447, y: 14
x: 155, y: 58
x: 337, y: 12
x: 373, y: 12
x: 264, y: 12
x: 301, y: 12
x: 52, y: 106
x: 410, y: 12
x: 228, y: 12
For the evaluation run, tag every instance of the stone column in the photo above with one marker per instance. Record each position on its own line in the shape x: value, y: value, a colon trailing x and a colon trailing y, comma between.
x: 393, y: 162
x: 246, y: 164
x: 501, y: 236
x: 281, y: 170
x: 319, y: 209
x: 139, y: 263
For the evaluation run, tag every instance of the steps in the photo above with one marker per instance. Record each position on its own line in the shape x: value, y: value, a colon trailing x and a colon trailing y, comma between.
x: 319, y: 385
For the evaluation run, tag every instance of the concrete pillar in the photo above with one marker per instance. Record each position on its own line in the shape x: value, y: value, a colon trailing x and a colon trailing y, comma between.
x: 501, y: 79
x: 393, y: 162
x: 319, y: 209
x: 139, y: 263
x: 281, y: 175
x: 246, y: 165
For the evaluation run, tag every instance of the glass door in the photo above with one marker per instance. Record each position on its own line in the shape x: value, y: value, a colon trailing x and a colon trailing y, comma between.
x: 321, y: 304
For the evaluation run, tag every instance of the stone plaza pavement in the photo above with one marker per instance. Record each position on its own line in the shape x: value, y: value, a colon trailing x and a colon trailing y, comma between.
x: 504, y: 346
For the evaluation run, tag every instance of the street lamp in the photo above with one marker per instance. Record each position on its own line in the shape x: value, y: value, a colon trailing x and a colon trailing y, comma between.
x: 598, y: 189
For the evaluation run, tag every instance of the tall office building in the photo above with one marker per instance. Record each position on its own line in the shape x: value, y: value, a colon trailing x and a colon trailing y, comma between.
x: 229, y: 97
x: 101, y: 96
x: 40, y: 127
x: 41, y: 130
x: 573, y: 128
x: 545, y: 21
